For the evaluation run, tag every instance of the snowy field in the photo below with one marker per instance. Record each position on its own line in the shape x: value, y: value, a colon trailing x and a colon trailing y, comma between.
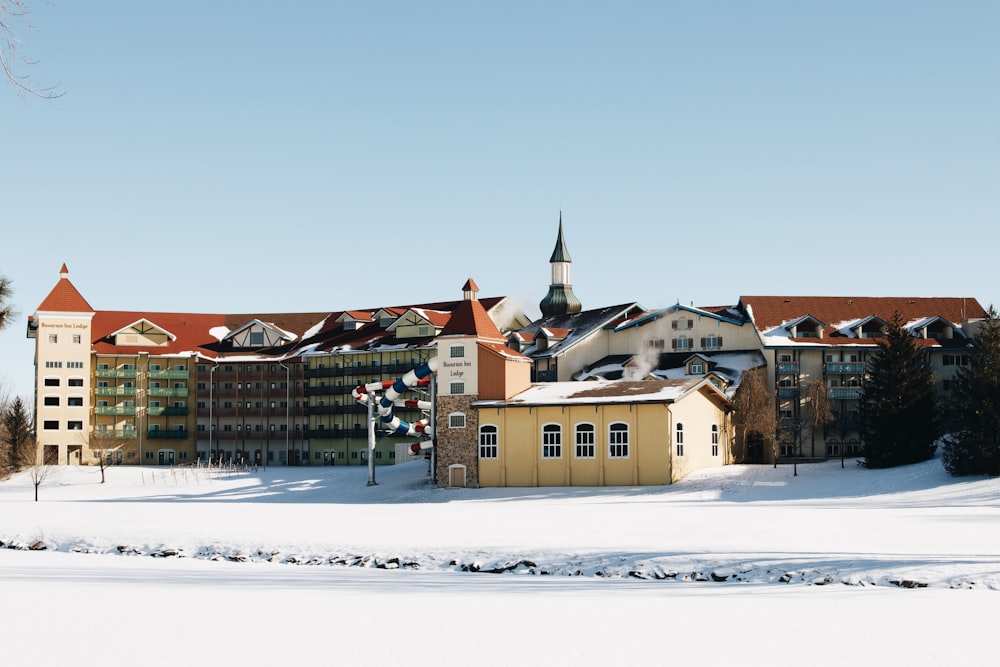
x: 310, y: 566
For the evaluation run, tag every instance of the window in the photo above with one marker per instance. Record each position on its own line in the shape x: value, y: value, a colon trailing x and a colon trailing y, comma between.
x: 256, y: 338
x: 655, y: 343
x: 74, y: 364
x: 50, y: 425
x: 456, y: 351
x: 785, y: 358
x: 488, y: 441
x: 74, y: 426
x: 697, y: 368
x: 75, y: 382
x: 712, y: 341
x: 551, y: 441
x: 53, y: 338
x: 679, y: 439
x: 618, y: 441
x: 77, y: 339
x: 155, y: 367
x: 456, y: 388
x: 51, y: 401
x: 456, y: 420
x: 682, y: 343
x: 51, y: 382
x: 715, y: 440
x: 75, y: 401
x: 682, y: 324
x: 585, y: 441
x: 53, y: 364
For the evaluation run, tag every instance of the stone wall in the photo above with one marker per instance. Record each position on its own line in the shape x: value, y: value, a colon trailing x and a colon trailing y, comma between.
x: 457, y: 445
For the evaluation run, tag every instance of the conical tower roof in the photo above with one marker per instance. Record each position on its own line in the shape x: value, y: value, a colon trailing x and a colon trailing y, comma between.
x: 64, y: 297
x: 560, y: 253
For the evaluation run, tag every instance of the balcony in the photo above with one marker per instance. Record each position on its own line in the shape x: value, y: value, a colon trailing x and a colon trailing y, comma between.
x: 160, y: 434
x: 546, y: 376
x: 844, y: 393
x: 175, y: 392
x: 114, y: 391
x: 848, y: 368
x: 789, y: 424
x: 121, y: 434
x: 788, y: 392
x: 354, y: 408
x: 116, y: 373
x: 788, y: 368
x: 328, y: 390
x: 166, y: 412
x: 114, y: 410
x: 369, y: 370
x: 169, y: 375
x: 331, y: 433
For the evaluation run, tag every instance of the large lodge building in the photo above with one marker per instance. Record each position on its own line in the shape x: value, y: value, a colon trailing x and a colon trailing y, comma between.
x: 617, y: 395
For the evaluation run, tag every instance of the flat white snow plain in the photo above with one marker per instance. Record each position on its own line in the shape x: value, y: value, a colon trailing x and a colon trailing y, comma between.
x: 311, y: 566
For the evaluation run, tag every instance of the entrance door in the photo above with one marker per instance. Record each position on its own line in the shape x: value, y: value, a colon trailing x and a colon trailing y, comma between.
x: 456, y: 475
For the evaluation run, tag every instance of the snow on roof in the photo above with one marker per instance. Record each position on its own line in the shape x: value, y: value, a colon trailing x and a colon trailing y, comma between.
x: 601, y: 392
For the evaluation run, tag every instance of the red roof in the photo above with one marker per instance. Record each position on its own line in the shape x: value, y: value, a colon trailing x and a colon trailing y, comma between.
x: 768, y: 312
x: 471, y: 319
x: 191, y: 331
x: 64, y: 298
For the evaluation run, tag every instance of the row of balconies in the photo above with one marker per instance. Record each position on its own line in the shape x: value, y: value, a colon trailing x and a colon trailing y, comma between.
x: 131, y: 373
x: 831, y: 368
x: 394, y: 370
x: 837, y: 393
x: 132, y: 410
x: 170, y: 392
x: 153, y: 434
x: 843, y: 425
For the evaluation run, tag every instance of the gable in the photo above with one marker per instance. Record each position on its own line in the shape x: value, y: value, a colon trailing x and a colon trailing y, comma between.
x: 142, y: 333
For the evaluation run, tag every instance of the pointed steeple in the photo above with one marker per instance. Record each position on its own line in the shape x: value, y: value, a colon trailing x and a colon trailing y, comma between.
x: 560, y: 253
x: 560, y: 300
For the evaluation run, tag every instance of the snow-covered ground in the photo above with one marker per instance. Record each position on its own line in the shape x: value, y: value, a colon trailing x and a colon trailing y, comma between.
x: 310, y: 566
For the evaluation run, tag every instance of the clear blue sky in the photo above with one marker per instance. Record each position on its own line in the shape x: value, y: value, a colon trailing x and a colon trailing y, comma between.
x: 301, y: 156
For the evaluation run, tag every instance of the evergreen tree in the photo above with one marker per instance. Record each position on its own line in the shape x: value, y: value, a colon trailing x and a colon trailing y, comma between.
x: 973, y: 444
x: 6, y: 309
x: 898, y: 407
x: 17, y: 435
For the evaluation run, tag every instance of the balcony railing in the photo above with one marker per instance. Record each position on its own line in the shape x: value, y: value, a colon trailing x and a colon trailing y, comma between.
x: 160, y: 434
x: 546, y: 376
x: 846, y: 368
x: 115, y: 373
x: 170, y: 375
x: 175, y: 392
x: 330, y: 433
x: 788, y: 368
x: 335, y: 409
x: 390, y: 370
x: 166, y: 412
x: 114, y: 410
x: 844, y: 393
x: 114, y: 391
x: 788, y: 392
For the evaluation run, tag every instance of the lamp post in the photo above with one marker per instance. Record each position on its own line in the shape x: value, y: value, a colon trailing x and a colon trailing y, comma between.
x: 211, y: 411
x: 139, y: 393
x: 287, y: 397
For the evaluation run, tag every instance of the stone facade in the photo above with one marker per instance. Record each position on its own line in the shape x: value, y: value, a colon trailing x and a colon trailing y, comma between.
x: 457, y: 445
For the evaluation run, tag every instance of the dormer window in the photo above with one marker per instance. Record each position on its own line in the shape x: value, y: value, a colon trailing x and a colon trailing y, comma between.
x: 256, y: 338
x: 696, y: 368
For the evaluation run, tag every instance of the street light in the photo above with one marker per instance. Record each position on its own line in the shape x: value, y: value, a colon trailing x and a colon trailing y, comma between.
x: 287, y: 425
x: 211, y: 404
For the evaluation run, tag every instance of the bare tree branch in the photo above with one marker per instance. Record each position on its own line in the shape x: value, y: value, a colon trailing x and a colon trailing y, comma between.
x: 14, y: 13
